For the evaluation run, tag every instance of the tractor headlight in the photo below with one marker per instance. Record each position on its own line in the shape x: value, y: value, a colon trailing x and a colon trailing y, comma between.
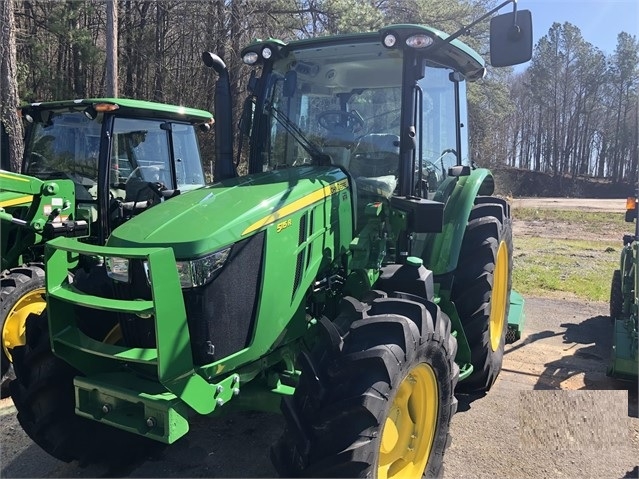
x: 198, y: 272
x: 117, y: 268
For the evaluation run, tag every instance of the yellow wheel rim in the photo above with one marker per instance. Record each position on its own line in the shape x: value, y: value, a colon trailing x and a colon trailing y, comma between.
x: 13, y: 331
x: 409, y: 430
x: 498, y: 297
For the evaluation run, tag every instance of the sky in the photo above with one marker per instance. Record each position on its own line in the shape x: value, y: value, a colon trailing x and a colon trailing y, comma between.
x: 598, y: 20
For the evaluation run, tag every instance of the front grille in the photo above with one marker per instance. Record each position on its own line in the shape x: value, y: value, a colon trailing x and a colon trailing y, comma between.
x: 221, y: 314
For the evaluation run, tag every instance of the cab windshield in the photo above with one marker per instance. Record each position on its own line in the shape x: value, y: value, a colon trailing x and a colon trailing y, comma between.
x: 66, y: 145
x: 341, y: 105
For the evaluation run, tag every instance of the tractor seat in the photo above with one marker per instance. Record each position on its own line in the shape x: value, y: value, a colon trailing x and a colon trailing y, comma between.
x: 376, y: 154
x: 374, y: 166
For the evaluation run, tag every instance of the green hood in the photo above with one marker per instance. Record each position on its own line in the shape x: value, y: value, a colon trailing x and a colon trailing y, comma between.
x: 204, y: 220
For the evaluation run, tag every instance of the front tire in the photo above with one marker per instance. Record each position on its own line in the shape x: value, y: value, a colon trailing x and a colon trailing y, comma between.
x: 377, y: 400
x: 481, y: 289
x: 44, y: 396
x: 21, y: 294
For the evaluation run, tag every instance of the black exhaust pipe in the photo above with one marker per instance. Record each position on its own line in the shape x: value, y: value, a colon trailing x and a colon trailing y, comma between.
x: 224, y: 166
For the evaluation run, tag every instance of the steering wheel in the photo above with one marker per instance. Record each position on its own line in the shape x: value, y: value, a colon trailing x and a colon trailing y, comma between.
x: 335, y: 119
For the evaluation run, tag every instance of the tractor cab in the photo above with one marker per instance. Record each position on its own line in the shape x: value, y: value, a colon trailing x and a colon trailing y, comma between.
x: 342, y: 104
x: 387, y: 107
x: 151, y: 151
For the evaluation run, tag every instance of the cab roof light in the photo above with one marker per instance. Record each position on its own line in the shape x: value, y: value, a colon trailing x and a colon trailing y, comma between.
x: 207, y: 125
x: 250, y: 58
x: 102, y: 107
x: 419, y: 41
x: 390, y: 40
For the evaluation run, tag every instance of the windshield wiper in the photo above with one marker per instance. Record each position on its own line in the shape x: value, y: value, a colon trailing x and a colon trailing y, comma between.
x: 317, y: 155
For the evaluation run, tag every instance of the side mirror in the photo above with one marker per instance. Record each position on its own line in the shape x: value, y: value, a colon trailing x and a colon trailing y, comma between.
x: 511, y: 38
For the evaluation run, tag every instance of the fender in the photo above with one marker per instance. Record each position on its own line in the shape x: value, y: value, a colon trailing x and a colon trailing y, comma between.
x: 442, y: 253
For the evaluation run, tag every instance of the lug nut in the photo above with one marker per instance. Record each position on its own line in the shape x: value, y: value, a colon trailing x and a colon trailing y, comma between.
x: 150, y: 421
x: 219, y: 389
x: 236, y: 391
x: 219, y: 402
x: 106, y: 409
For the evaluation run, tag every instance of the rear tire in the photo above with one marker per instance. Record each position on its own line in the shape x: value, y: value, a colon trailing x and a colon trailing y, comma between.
x: 616, y: 296
x: 21, y: 293
x: 44, y: 395
x: 375, y: 398
x: 481, y: 289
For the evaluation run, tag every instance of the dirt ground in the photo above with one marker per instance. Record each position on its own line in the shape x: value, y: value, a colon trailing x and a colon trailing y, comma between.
x: 539, y: 229
x: 553, y: 412
x: 580, y: 204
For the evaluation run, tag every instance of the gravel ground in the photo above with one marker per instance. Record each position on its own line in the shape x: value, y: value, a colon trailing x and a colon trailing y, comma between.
x: 552, y: 413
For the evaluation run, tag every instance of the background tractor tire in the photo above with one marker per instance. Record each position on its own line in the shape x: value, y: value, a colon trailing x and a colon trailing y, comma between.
x: 21, y: 293
x: 481, y: 289
x: 44, y: 396
x: 616, y: 296
x: 375, y: 396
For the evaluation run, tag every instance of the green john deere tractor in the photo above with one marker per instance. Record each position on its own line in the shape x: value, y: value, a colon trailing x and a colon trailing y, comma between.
x: 89, y: 165
x: 624, y: 303
x: 357, y: 273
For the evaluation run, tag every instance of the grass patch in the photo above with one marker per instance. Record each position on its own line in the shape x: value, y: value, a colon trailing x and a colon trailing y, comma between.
x: 547, y: 265
x: 543, y: 266
x: 611, y: 225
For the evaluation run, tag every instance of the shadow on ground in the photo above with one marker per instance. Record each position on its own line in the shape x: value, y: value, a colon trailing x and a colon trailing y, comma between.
x: 585, y: 361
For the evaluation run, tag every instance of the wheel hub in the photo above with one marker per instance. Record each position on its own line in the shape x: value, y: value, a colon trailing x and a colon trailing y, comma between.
x: 409, y: 430
x: 13, y: 331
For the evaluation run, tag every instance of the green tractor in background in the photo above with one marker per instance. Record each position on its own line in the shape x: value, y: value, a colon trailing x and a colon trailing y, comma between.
x: 89, y: 165
x: 624, y: 303
x: 357, y: 273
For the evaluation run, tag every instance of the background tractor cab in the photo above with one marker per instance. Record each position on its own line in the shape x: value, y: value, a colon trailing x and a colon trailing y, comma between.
x: 151, y: 148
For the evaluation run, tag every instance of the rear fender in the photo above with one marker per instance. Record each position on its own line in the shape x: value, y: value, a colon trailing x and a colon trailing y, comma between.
x: 442, y: 253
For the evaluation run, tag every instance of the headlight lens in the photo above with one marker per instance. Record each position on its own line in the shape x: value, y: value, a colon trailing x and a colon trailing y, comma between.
x: 198, y: 272
x: 117, y: 268
x: 249, y: 58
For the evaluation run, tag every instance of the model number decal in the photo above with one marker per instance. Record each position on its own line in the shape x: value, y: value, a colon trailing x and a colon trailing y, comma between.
x: 282, y: 225
x: 339, y: 186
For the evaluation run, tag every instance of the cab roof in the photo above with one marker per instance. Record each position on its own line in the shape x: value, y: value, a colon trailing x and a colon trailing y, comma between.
x: 129, y: 107
x: 454, y: 54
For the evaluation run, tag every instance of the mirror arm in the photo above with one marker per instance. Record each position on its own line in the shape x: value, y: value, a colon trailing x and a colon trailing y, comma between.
x: 465, y: 29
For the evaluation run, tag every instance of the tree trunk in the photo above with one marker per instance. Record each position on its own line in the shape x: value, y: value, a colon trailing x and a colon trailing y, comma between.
x: 112, y: 49
x: 9, y: 85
